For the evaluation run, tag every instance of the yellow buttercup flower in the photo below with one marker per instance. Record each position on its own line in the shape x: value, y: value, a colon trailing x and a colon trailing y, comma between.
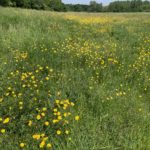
x: 42, y: 144
x: 57, y: 101
x: 43, y: 114
x: 59, y: 117
x: 43, y: 134
x: 45, y: 138
x: 72, y: 104
x: 102, y: 62
x: 30, y: 123
x: 55, y: 110
x: 1, y: 99
x: 55, y: 121
x: 47, y: 78
x: 22, y: 145
x: 58, y: 132
x: 65, y: 114
x: 67, y: 132
x: 3, y: 130
x: 44, y: 109
x: 46, y: 123
x: 77, y: 118
x: 38, y: 117
x: 49, y: 145
x: 20, y: 103
x: 36, y: 136
x: 58, y: 113
x: 32, y: 77
x: 6, y: 121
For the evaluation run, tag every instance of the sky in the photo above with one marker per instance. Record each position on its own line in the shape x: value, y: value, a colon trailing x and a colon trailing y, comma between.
x: 105, y: 2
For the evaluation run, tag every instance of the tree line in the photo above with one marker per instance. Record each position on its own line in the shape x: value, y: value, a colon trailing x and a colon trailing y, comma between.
x: 58, y: 5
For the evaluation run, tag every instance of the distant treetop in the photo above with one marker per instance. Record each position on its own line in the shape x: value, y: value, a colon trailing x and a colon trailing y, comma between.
x: 58, y: 5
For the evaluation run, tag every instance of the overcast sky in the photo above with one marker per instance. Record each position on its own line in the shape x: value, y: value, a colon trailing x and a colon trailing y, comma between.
x: 105, y: 2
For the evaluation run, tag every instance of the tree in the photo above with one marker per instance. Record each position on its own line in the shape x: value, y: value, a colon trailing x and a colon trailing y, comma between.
x: 95, y: 7
x: 5, y: 2
x: 56, y: 5
x: 146, y: 6
x: 135, y: 5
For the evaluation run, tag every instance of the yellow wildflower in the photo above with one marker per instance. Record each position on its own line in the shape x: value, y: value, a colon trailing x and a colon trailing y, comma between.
x: 77, y: 118
x: 46, y: 123
x: 55, y: 110
x: 58, y: 132
x: 22, y: 145
x: 42, y: 144
x: 59, y: 118
x: 6, y: 121
x: 44, y: 109
x: 43, y: 114
x: 30, y: 123
x: 36, y: 136
x: 38, y: 117
x: 3, y: 130
x: 47, y: 78
x: 45, y: 138
x: 43, y: 134
x: 67, y: 132
x: 55, y: 121
x: 49, y: 145
x: 57, y: 101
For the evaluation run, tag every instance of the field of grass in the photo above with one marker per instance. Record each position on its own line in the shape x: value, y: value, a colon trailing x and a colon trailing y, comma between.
x: 74, y: 81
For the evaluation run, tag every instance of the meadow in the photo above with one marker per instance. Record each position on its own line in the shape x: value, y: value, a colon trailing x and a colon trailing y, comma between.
x: 74, y: 81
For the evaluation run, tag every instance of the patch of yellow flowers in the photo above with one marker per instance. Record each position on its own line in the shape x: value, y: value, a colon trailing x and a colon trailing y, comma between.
x: 55, y: 121
x: 44, y: 120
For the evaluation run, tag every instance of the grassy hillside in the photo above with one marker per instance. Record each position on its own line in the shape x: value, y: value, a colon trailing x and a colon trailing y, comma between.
x: 74, y: 81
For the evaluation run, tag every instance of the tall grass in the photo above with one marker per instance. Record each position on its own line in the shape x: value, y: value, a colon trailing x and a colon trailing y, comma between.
x: 100, y: 62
